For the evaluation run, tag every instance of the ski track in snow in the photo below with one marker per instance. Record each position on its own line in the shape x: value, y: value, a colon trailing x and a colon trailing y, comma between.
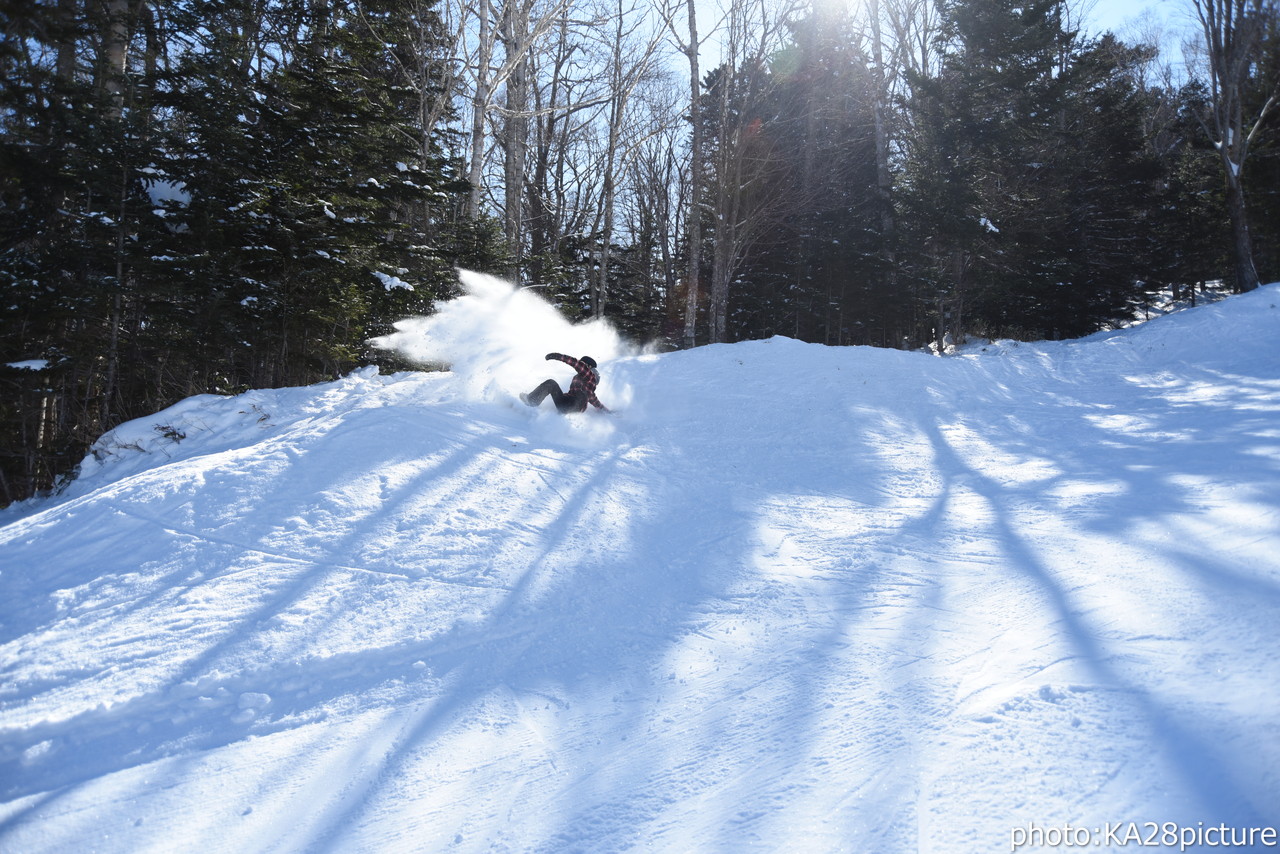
x: 795, y: 598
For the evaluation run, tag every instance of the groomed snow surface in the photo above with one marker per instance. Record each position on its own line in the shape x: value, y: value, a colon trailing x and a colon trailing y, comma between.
x: 790, y: 598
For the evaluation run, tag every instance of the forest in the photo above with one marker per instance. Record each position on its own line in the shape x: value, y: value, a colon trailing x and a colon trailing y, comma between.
x: 209, y: 196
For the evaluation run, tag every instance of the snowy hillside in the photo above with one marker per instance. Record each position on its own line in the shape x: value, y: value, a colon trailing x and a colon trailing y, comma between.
x: 790, y: 598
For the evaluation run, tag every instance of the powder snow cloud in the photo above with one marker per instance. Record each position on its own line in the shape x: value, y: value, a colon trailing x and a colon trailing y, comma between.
x: 495, y: 335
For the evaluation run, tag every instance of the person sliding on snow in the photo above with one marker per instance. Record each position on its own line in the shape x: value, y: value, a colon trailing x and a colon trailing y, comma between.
x: 581, y: 391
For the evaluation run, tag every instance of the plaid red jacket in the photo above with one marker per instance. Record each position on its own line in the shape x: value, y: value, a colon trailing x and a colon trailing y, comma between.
x: 585, y: 380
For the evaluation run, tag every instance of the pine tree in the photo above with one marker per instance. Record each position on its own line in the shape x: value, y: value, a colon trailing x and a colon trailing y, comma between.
x: 1192, y: 232
x: 76, y: 140
x: 815, y: 272
x: 318, y: 207
x: 246, y: 212
x: 1028, y: 185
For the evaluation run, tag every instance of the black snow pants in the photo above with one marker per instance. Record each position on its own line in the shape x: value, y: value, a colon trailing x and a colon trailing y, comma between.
x: 575, y: 401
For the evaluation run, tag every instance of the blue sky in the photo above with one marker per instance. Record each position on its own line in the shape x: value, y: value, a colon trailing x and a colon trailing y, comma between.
x: 1119, y: 15
x: 1171, y: 23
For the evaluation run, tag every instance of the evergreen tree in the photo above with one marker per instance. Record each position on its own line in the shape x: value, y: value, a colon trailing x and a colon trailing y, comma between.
x: 309, y: 189
x: 816, y: 273
x: 1027, y: 186
x: 246, y: 212
x: 1089, y: 245
x: 76, y: 220
x: 1192, y: 242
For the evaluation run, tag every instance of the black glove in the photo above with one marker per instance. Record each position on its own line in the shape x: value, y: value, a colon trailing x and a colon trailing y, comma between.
x: 552, y: 356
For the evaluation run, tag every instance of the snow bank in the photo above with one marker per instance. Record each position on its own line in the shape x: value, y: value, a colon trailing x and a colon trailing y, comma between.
x: 211, y: 424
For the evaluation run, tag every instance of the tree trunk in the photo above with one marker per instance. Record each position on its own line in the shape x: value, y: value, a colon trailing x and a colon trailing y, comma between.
x: 1245, y: 272
x: 479, y: 109
x: 617, y: 105
x: 115, y: 43
x: 68, y: 11
x: 884, y: 179
x: 543, y: 226
x: 727, y: 192
x: 694, y: 269
x: 515, y: 38
x: 1233, y: 32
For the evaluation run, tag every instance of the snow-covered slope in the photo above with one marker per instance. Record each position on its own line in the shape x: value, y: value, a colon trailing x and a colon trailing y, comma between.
x: 792, y: 598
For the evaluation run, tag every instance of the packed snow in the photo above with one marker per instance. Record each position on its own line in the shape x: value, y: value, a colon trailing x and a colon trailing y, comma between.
x: 788, y: 598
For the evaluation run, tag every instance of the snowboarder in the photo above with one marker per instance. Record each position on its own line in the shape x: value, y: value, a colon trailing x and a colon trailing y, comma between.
x: 582, y: 390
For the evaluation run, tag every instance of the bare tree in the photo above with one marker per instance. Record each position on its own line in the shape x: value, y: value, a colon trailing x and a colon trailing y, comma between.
x: 901, y: 34
x: 655, y: 208
x: 630, y: 65
x: 1233, y: 31
x: 913, y: 27
x: 552, y: 128
x: 514, y: 31
x: 480, y: 103
x: 691, y: 46
x: 518, y: 26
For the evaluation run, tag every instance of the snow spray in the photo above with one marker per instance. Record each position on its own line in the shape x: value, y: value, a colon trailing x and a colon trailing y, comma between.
x: 494, y: 338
